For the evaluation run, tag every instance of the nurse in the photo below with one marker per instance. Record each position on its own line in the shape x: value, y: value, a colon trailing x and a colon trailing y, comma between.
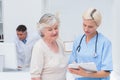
x: 92, y: 46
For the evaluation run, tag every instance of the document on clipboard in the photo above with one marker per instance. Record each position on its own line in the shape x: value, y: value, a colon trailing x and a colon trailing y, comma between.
x: 89, y: 66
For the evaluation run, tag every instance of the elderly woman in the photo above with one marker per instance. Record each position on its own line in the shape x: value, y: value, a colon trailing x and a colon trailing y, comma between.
x: 48, y: 59
x: 93, y: 47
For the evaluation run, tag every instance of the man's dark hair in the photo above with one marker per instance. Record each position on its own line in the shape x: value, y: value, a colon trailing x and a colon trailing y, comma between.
x: 22, y: 28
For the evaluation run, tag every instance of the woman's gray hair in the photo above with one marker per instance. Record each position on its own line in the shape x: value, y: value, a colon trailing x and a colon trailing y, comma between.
x: 47, y: 20
x: 93, y: 14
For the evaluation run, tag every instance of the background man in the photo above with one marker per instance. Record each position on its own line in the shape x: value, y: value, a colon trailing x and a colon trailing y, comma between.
x: 24, y: 44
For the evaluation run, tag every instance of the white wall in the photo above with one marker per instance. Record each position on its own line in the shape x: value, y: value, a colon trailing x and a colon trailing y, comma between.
x: 70, y: 15
x: 15, y: 12
x: 116, y: 38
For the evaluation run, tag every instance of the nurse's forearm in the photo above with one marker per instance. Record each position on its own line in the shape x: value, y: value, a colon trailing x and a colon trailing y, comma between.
x: 99, y: 74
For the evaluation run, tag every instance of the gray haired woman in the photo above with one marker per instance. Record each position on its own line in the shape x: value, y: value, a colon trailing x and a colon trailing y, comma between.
x: 48, y: 59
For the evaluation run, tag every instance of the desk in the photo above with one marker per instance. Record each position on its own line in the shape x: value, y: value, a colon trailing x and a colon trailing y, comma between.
x: 15, y: 76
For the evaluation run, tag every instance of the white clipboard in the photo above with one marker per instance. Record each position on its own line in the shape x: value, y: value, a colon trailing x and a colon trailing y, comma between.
x: 89, y: 67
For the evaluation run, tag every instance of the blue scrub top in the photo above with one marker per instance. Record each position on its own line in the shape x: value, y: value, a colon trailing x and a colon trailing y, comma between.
x: 103, y: 58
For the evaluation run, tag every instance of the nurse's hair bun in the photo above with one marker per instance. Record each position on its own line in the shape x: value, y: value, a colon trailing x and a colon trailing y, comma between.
x: 93, y: 14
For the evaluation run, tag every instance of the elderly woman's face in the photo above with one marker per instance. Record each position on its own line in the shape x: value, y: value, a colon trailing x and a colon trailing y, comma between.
x: 51, y: 33
x: 89, y: 27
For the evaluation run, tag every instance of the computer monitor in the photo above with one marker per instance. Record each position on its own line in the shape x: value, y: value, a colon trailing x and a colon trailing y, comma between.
x: 8, y: 51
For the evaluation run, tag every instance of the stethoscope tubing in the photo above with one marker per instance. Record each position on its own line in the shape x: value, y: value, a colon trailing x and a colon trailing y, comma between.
x: 79, y: 46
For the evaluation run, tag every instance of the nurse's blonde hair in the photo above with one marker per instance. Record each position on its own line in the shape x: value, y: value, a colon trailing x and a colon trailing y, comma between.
x: 93, y: 14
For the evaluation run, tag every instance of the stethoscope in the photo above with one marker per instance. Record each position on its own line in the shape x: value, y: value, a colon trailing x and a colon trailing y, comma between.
x: 79, y: 46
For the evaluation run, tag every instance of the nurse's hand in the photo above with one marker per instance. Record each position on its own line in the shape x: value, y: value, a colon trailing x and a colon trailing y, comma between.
x: 78, y: 71
x: 82, y: 72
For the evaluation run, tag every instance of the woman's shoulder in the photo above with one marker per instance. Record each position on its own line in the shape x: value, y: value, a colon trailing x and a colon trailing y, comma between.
x: 39, y: 42
x: 60, y: 42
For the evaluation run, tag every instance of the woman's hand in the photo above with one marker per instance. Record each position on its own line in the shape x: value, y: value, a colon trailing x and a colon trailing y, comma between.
x: 35, y: 78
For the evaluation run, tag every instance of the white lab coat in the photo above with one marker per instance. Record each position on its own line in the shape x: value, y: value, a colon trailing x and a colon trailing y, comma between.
x: 24, y: 51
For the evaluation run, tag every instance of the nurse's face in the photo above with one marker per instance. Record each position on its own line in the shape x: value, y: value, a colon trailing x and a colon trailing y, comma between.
x: 21, y: 35
x: 51, y: 33
x: 89, y: 27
